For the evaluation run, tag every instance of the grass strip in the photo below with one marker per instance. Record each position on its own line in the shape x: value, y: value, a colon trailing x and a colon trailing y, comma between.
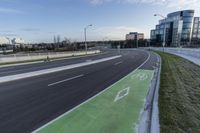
x: 179, y: 96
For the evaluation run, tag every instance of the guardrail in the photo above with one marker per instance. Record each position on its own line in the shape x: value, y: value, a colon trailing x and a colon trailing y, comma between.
x: 40, y: 56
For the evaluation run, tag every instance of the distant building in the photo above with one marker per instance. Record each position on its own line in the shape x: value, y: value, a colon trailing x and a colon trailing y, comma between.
x: 8, y: 41
x: 135, y: 36
x: 196, y: 30
x: 181, y: 29
x: 18, y: 41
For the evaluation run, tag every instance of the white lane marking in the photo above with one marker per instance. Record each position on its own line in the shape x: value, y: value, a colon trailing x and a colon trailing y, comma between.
x: 66, y: 113
x: 118, y: 63
x: 52, y: 70
x: 121, y: 94
x: 65, y: 80
x: 88, y: 60
x: 140, y: 76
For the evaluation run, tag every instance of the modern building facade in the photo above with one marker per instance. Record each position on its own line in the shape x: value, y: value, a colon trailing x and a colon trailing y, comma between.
x: 181, y: 28
x: 135, y: 36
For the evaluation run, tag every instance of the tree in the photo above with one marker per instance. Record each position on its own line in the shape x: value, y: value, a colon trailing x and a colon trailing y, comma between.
x: 58, y: 38
x: 54, y: 40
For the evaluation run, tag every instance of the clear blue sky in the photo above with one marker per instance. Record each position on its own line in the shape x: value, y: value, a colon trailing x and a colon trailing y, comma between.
x: 40, y: 20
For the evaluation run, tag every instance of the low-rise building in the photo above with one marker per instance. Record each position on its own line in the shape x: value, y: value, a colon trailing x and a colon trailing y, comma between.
x: 135, y: 36
x: 18, y: 41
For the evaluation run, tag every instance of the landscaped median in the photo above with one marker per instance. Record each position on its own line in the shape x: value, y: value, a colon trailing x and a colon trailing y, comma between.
x: 115, y: 110
x: 179, y: 96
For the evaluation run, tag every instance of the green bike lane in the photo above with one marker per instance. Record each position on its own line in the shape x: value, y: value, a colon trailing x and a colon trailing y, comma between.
x: 115, y: 110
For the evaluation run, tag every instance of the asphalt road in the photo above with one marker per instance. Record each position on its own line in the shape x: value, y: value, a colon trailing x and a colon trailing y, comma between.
x: 27, y: 104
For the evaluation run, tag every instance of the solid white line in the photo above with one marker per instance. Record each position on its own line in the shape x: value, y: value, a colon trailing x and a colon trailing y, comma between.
x: 66, y: 113
x: 118, y: 63
x: 65, y: 80
x: 52, y: 70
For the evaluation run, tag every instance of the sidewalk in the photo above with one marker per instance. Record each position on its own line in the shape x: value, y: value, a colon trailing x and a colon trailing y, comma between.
x: 190, y: 54
x: 190, y: 58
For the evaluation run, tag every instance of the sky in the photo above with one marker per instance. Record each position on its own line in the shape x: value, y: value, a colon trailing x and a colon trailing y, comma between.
x: 39, y: 21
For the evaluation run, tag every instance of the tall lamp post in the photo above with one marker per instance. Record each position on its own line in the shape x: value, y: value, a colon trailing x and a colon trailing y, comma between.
x: 85, y: 34
x: 164, y: 35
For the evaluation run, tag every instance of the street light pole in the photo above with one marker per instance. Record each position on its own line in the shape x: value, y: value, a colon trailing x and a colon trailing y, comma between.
x: 164, y: 34
x: 85, y: 34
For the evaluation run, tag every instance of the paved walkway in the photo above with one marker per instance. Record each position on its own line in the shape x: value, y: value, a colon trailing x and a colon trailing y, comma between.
x: 190, y: 54
x: 190, y: 58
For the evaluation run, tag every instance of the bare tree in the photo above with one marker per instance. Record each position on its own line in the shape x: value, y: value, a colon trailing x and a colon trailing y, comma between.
x: 58, y: 38
x: 54, y: 40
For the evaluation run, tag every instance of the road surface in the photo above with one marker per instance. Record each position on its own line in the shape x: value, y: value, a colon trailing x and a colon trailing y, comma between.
x: 27, y: 104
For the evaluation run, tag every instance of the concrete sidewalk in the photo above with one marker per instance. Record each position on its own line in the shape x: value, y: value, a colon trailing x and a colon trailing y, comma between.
x: 190, y: 58
x: 190, y: 54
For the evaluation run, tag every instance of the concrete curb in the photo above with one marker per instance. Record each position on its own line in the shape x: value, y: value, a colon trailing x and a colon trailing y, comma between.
x: 155, y: 126
x: 149, y: 117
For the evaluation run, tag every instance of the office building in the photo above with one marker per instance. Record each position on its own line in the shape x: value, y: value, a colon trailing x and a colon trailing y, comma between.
x: 135, y: 36
x: 180, y: 28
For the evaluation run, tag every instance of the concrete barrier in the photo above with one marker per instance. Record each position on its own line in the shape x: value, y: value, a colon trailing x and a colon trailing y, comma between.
x: 41, y: 56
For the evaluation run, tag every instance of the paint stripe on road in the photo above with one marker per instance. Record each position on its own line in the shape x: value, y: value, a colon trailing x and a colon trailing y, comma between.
x: 116, y: 110
x: 68, y: 112
x: 65, y: 80
x: 52, y: 70
x: 118, y: 63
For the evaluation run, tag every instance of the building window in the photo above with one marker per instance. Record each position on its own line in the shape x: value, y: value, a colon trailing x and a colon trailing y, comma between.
x: 187, y: 25
x: 187, y: 19
x: 196, y: 20
x: 186, y: 31
x: 194, y: 36
x: 195, y: 31
x: 157, y: 32
x: 199, y: 36
x: 187, y: 13
x: 196, y: 26
x: 185, y: 36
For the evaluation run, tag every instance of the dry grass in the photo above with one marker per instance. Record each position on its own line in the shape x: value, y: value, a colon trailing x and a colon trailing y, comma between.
x: 179, y: 96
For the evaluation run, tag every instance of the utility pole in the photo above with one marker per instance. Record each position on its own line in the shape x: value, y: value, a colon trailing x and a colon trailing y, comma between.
x: 164, y: 34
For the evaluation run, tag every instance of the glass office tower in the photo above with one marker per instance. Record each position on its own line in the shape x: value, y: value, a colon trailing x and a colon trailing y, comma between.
x: 182, y: 28
x: 196, y: 31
